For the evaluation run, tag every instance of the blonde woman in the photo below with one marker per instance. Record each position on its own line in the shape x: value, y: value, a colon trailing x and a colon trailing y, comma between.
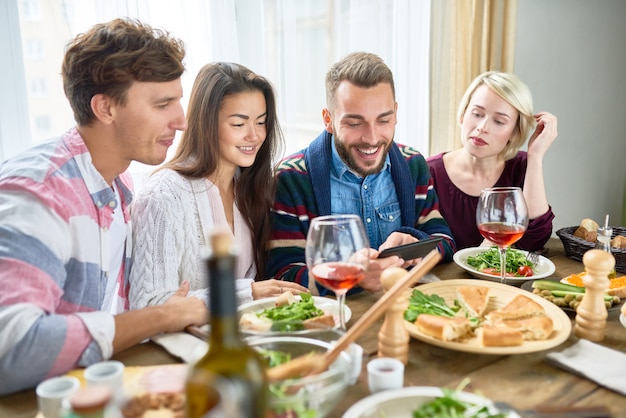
x: 496, y: 117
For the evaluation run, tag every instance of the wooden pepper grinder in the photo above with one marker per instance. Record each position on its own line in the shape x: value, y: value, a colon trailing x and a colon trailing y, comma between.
x: 591, y: 314
x: 393, y: 337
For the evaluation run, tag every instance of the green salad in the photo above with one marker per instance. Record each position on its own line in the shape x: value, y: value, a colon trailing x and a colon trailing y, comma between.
x: 295, y: 410
x: 488, y: 261
x: 291, y: 317
x: 450, y: 406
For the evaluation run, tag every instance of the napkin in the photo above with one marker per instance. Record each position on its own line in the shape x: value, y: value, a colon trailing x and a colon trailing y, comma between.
x: 605, y: 366
x: 182, y: 345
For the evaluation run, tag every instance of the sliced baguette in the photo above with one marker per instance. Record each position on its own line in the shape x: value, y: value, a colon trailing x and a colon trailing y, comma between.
x: 320, y: 321
x: 532, y: 329
x: 497, y: 336
x: 285, y: 298
x: 250, y: 321
x: 519, y: 307
x: 474, y: 299
x: 444, y: 328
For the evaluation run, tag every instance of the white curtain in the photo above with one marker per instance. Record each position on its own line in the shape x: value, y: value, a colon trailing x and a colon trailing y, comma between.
x: 291, y: 42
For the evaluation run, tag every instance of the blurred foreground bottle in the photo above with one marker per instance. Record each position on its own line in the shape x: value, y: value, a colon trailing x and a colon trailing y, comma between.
x: 228, y: 358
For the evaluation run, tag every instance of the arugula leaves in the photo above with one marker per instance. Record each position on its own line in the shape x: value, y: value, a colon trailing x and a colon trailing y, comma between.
x: 490, y: 258
x: 299, y: 311
x: 450, y: 406
x: 420, y: 303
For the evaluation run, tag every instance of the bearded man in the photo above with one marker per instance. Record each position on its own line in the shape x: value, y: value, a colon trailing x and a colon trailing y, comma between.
x: 355, y: 167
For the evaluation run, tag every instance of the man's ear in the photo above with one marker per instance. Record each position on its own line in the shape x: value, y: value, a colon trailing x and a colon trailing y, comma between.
x: 328, y: 121
x: 101, y: 107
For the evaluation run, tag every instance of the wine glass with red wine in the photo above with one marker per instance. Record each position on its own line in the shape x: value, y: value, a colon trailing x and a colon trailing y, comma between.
x: 337, y: 255
x: 502, y: 218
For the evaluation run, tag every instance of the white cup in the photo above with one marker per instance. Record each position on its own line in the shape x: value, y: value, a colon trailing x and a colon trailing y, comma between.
x: 52, y: 392
x: 109, y: 374
x: 385, y: 373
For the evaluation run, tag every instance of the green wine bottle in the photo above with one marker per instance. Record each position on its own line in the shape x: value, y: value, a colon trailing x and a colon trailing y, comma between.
x: 228, y: 358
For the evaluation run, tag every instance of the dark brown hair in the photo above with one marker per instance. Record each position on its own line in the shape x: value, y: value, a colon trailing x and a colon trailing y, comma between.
x: 109, y: 57
x: 362, y: 69
x: 198, y: 152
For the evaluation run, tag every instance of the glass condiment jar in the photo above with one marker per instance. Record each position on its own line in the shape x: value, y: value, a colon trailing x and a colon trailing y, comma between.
x: 603, y: 242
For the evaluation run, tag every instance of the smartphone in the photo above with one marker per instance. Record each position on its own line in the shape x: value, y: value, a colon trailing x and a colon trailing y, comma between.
x: 413, y: 250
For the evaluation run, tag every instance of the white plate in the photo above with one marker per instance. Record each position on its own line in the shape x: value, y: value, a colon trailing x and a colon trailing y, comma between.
x: 402, y: 402
x: 622, y: 319
x: 543, y: 269
x: 328, y: 305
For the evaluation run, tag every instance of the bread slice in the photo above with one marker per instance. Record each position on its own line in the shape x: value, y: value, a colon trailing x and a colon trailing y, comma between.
x: 519, y: 308
x: 499, y: 336
x: 534, y: 328
x: 619, y: 241
x: 320, y: 321
x: 285, y: 298
x: 474, y: 299
x: 250, y: 321
x: 444, y: 328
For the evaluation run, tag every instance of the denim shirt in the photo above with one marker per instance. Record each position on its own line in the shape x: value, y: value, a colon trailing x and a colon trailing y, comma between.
x: 373, y: 198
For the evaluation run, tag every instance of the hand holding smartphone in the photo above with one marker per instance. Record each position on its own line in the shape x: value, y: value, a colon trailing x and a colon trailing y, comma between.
x: 413, y: 250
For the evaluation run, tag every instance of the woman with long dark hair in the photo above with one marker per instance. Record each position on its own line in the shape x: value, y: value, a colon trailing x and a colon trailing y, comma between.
x: 220, y: 177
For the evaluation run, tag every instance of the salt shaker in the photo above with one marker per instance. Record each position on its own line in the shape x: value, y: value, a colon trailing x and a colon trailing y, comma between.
x: 591, y: 314
x: 393, y: 337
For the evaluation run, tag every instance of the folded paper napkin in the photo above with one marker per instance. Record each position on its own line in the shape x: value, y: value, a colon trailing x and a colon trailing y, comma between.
x: 182, y: 345
x: 605, y: 366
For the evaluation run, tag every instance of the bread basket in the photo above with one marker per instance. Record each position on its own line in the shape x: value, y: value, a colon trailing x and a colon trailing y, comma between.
x: 576, y: 247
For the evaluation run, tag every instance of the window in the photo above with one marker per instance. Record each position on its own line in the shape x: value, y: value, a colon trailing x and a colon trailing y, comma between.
x: 42, y: 123
x: 38, y: 87
x: 34, y: 50
x: 31, y: 9
x: 291, y: 42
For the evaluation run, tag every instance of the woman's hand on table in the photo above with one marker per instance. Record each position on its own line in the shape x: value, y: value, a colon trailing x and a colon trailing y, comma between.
x: 272, y: 287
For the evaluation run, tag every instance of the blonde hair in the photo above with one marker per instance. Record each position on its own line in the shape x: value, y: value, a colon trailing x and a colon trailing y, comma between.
x: 514, y: 92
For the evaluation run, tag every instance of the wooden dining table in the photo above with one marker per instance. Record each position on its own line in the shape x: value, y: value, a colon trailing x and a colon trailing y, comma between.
x: 523, y: 380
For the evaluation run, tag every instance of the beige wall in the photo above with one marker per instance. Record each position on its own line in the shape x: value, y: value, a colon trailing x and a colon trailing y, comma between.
x: 572, y: 55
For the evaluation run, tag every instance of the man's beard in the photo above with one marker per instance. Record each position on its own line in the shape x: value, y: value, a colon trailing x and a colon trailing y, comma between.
x: 348, y: 159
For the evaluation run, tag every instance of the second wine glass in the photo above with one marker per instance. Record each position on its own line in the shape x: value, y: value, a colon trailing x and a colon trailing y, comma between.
x: 337, y: 255
x: 502, y: 218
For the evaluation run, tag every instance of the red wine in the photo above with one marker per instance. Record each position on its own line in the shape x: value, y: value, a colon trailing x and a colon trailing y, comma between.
x: 502, y: 234
x: 338, y: 276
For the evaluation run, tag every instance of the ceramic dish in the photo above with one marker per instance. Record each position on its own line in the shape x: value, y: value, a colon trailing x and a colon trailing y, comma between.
x: 543, y: 269
x: 622, y: 319
x: 328, y: 305
x: 528, y: 286
x: 501, y: 295
x: 402, y: 402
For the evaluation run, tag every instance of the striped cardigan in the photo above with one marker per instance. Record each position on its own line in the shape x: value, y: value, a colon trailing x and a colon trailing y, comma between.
x: 55, y: 210
x: 303, y: 193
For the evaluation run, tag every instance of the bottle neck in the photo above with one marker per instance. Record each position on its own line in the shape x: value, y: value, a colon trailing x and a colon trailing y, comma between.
x: 222, y: 299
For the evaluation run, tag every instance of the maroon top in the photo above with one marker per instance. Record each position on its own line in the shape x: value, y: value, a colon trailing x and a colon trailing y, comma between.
x: 459, y: 209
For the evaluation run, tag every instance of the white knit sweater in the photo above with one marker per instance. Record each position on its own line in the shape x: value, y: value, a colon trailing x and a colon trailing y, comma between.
x: 172, y: 216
